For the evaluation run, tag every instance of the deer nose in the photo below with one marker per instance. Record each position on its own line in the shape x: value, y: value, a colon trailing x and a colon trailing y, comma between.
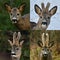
x: 44, y: 23
x: 13, y: 53
x: 14, y: 18
x: 45, y: 54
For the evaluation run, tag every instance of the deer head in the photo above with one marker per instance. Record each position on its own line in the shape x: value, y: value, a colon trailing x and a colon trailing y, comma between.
x: 16, y: 45
x: 45, y: 45
x: 45, y: 14
x: 15, y: 13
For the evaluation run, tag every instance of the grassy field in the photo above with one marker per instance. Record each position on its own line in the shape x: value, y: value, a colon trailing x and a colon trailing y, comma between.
x: 35, y: 49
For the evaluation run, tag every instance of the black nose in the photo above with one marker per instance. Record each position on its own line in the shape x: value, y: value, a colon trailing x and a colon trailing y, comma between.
x: 45, y: 55
x: 44, y: 23
x: 13, y: 54
x: 14, y: 20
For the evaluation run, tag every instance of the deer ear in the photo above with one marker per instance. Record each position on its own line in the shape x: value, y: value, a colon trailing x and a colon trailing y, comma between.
x: 51, y: 44
x: 21, y: 43
x: 53, y: 10
x: 10, y: 42
x: 21, y: 8
x: 37, y: 9
x: 7, y: 7
x: 40, y: 43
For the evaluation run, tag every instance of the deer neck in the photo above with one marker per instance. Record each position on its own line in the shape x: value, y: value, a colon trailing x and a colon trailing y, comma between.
x: 21, y: 19
x: 38, y: 26
x: 23, y: 23
x: 20, y: 23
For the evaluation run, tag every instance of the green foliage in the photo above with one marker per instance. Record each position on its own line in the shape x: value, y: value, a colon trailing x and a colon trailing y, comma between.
x: 3, y: 42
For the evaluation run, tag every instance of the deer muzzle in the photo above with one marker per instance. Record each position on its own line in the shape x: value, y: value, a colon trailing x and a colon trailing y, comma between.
x: 14, y: 20
x: 44, y: 24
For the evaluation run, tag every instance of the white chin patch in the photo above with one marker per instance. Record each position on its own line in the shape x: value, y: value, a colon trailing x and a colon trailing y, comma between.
x: 44, y: 26
x: 14, y: 22
x: 13, y: 55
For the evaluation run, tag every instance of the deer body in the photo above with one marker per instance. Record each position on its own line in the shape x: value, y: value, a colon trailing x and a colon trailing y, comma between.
x: 44, y: 16
x: 23, y: 23
x: 16, y: 46
x: 45, y: 44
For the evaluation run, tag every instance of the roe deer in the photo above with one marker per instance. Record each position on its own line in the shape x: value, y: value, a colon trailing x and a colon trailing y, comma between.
x: 16, y: 46
x: 45, y: 44
x: 22, y: 22
x: 44, y: 16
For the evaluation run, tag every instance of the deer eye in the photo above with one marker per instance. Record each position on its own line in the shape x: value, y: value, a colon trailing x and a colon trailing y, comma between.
x: 17, y: 14
x: 40, y: 16
x: 48, y: 17
x: 17, y: 48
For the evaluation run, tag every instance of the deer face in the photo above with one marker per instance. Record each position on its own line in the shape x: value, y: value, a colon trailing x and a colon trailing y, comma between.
x: 16, y: 45
x: 16, y: 50
x: 45, y: 14
x: 15, y: 13
x: 45, y: 45
x: 45, y: 52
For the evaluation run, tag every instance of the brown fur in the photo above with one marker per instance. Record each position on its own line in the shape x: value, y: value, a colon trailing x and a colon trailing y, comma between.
x: 24, y: 23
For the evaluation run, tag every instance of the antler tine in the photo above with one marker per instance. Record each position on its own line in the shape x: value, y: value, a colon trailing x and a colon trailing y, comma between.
x: 19, y: 35
x: 42, y: 5
x: 14, y: 37
x: 43, y: 40
x: 47, y: 6
x: 47, y: 39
